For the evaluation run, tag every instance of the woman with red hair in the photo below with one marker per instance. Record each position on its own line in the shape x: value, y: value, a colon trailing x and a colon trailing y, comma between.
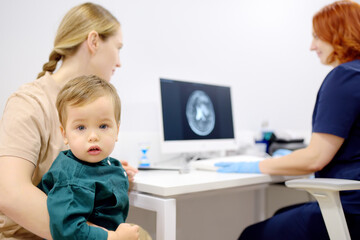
x: 334, y: 148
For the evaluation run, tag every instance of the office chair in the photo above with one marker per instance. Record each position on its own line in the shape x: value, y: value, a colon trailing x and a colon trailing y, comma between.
x: 326, y: 192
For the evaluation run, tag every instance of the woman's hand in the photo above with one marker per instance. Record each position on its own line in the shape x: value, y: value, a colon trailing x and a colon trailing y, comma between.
x: 130, y: 171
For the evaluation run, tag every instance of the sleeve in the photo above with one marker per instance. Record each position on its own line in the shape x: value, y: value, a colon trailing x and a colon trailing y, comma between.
x: 338, y: 103
x: 69, y: 208
x: 22, y: 127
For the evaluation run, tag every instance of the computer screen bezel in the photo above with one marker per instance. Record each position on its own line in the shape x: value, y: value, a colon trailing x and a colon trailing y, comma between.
x: 199, y: 145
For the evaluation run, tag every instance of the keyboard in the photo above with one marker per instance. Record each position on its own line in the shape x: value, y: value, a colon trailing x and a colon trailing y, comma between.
x: 209, y: 164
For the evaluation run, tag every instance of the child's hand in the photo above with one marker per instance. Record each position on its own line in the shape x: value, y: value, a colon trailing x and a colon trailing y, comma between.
x: 130, y: 171
x: 125, y: 231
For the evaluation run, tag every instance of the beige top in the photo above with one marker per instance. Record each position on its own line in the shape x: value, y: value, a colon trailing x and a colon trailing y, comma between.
x: 29, y: 129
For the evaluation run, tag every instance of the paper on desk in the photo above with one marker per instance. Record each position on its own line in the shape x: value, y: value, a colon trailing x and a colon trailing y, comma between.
x: 209, y: 164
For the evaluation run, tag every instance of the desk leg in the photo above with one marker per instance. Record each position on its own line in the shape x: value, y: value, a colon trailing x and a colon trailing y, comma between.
x: 165, y: 209
x: 260, y: 205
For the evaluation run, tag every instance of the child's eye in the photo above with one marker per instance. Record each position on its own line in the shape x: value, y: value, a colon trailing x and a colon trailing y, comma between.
x: 81, y: 128
x: 103, y: 126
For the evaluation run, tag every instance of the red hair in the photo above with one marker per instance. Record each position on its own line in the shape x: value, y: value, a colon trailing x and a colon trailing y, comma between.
x: 339, y: 24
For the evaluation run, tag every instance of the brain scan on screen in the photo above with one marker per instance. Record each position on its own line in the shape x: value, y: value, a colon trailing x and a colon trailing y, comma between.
x: 200, y: 113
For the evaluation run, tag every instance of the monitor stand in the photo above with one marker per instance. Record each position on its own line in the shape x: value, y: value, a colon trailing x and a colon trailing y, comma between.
x: 181, y: 162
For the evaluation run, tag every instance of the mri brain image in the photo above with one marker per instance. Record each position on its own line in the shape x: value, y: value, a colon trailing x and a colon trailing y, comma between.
x: 200, y: 113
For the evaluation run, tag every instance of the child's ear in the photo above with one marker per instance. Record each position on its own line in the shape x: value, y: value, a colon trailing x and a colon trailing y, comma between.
x: 63, y: 133
x: 118, y: 128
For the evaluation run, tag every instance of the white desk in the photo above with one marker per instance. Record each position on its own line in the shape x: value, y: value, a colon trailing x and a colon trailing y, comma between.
x: 155, y: 191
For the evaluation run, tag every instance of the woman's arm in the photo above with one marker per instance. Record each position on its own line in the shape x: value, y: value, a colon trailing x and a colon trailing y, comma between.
x: 20, y: 199
x: 320, y: 151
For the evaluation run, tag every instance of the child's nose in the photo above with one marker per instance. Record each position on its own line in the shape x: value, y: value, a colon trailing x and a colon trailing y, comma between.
x: 93, y: 136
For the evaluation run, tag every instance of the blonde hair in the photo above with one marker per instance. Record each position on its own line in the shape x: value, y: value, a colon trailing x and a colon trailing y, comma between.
x: 84, y: 90
x: 74, y: 29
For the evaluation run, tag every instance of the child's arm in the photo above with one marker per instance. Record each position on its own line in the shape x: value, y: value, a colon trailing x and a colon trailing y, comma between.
x: 69, y: 207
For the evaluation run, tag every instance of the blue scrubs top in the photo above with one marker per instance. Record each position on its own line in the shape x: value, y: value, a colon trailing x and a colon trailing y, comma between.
x: 79, y: 192
x: 337, y: 112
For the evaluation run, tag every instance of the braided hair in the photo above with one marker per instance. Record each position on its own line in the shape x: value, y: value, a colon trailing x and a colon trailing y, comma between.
x: 74, y: 29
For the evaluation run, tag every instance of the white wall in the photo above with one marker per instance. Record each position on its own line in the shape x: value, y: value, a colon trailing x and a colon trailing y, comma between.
x: 259, y: 47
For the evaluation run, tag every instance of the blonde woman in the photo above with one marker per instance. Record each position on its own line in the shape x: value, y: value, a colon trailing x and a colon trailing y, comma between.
x: 88, y: 41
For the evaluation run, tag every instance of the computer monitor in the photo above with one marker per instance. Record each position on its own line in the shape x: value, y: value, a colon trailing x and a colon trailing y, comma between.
x: 196, y: 117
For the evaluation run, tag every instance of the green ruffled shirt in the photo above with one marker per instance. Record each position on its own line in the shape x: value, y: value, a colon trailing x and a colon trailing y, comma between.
x: 79, y: 192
